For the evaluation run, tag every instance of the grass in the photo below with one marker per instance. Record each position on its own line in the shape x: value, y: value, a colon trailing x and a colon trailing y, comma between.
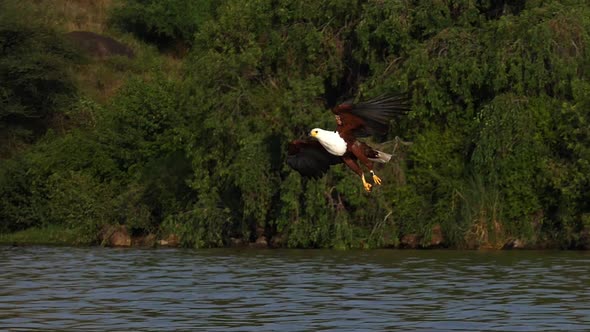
x: 81, y: 14
x: 49, y: 235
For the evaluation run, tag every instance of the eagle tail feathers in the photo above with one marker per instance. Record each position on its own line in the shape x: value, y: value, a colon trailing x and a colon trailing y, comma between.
x: 381, y: 157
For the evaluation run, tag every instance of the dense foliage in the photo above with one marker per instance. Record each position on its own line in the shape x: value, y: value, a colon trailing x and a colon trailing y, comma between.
x: 496, y: 148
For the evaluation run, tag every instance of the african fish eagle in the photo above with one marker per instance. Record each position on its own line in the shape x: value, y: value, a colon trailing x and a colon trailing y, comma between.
x: 312, y: 156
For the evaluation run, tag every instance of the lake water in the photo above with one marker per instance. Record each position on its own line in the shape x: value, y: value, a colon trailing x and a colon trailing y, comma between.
x: 54, y: 288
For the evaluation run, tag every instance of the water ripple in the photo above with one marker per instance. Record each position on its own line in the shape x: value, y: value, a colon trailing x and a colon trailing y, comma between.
x: 44, y: 288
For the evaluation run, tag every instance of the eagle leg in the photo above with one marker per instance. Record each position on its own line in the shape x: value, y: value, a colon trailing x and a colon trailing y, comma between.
x: 360, y: 150
x: 366, y: 184
x: 357, y: 169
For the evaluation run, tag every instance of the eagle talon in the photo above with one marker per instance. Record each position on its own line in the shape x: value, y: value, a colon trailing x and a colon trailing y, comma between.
x: 376, y: 179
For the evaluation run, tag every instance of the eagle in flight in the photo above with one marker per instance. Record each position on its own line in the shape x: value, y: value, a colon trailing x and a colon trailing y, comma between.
x: 313, y: 156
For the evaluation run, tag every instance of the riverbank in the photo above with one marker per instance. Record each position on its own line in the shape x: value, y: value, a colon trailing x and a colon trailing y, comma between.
x: 111, y: 236
x: 119, y: 236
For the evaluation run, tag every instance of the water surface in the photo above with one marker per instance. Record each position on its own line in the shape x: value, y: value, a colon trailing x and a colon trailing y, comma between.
x: 49, y: 288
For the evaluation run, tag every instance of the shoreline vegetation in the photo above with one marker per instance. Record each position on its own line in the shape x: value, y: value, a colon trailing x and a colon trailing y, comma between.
x: 119, y: 236
x: 130, y: 123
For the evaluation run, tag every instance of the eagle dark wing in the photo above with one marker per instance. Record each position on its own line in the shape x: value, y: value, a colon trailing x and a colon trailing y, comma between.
x: 371, y: 117
x: 309, y: 158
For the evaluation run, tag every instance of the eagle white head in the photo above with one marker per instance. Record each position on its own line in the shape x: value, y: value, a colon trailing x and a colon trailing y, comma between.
x: 330, y: 140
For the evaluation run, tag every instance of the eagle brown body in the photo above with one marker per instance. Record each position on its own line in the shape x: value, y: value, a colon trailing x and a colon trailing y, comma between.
x: 313, y: 157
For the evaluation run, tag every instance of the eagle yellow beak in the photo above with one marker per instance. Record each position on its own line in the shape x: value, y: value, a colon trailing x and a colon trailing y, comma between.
x: 313, y: 133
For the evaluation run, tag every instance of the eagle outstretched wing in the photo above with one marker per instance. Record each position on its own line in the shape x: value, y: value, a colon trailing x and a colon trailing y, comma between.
x: 371, y: 117
x: 309, y: 158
